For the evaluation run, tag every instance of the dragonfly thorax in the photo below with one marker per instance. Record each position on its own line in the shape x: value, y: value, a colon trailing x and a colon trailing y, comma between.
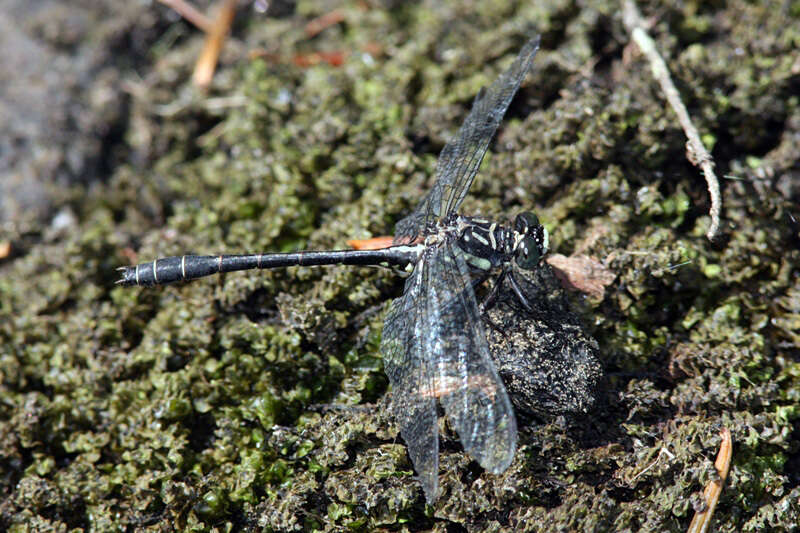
x: 489, y: 245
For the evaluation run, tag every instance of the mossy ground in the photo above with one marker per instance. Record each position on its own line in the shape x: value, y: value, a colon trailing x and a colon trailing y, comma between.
x: 206, y: 406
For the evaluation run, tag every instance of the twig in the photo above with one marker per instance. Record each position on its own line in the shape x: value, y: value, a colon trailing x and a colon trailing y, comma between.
x: 662, y: 451
x: 324, y: 21
x: 712, y: 491
x: 190, y: 13
x: 215, y: 37
x: 695, y: 151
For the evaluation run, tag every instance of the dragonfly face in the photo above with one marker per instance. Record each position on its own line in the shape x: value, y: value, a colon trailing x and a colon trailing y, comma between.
x: 531, y: 240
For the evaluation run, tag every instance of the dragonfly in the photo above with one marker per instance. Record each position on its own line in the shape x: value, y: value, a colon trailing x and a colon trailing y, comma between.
x: 434, y: 343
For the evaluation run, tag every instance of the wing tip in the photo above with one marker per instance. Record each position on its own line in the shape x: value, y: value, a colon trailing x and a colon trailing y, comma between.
x: 529, y: 50
x: 431, y: 490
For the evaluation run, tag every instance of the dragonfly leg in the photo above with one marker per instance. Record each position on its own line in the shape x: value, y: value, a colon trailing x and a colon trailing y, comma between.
x: 490, y: 300
x: 518, y: 291
x: 494, y: 325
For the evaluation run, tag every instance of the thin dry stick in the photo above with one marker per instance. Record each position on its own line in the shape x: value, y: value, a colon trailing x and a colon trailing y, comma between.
x: 190, y: 13
x: 712, y: 491
x: 695, y: 151
x: 324, y: 21
x: 207, y: 62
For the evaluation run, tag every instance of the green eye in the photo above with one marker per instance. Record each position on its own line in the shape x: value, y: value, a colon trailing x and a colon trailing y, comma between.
x: 528, y: 253
x: 525, y: 221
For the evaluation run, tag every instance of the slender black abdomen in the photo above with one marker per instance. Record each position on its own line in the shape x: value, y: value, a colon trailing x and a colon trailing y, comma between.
x: 189, y: 267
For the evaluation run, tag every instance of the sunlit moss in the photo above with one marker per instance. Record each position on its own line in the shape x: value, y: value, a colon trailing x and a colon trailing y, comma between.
x: 257, y: 401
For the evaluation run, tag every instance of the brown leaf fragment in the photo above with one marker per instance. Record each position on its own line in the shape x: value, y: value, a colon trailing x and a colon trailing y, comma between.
x: 324, y: 21
x: 583, y: 273
x: 334, y: 59
x: 375, y: 243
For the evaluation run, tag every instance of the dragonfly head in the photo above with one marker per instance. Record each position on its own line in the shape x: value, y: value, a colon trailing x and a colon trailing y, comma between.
x: 532, y: 240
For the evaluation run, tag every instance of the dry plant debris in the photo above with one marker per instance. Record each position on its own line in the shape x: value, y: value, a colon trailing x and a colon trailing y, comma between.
x: 695, y: 151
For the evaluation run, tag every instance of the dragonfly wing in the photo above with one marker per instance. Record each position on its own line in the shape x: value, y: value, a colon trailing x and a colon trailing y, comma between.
x: 464, y: 377
x: 406, y: 363
x: 459, y: 161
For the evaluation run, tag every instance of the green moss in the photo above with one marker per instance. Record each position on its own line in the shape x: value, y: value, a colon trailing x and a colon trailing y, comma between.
x: 258, y: 401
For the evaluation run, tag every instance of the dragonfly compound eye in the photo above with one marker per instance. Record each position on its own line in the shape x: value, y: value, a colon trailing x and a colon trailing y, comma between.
x: 529, y: 252
x: 525, y: 222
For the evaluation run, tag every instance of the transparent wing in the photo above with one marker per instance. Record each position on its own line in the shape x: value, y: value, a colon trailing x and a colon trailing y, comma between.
x: 407, y: 365
x: 434, y: 346
x: 464, y: 377
x: 459, y: 161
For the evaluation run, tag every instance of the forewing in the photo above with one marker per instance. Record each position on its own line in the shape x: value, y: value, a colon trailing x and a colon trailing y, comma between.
x: 464, y: 376
x: 406, y: 363
x: 459, y: 161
